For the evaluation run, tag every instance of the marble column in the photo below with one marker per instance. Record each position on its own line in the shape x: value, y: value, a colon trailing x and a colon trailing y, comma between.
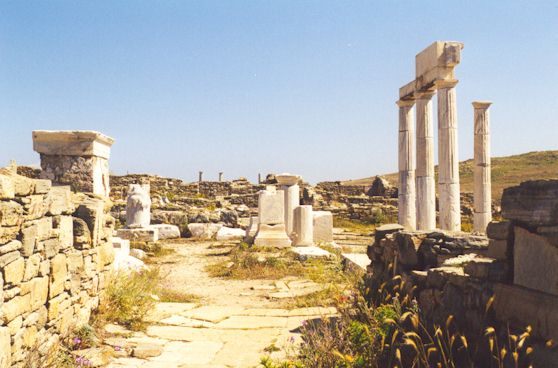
x: 426, y: 186
x: 220, y: 177
x: 406, y: 199
x: 482, y: 179
x: 448, y: 157
x: 200, y: 176
x: 289, y: 184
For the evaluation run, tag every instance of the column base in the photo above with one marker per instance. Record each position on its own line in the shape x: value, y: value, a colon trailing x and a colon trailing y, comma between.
x: 272, y: 236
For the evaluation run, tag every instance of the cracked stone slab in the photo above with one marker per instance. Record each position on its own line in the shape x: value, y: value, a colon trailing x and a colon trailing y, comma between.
x: 178, y: 320
x: 213, y: 313
x: 164, y: 310
x: 252, y: 322
x: 195, y: 352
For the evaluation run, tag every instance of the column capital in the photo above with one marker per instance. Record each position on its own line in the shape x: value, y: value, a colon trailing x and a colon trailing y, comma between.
x: 405, y: 103
x: 482, y: 104
x: 445, y: 83
x: 424, y: 95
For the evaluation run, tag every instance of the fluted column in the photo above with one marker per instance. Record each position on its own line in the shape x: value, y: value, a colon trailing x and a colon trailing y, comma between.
x: 406, y: 199
x: 448, y: 157
x: 483, y: 182
x: 426, y: 186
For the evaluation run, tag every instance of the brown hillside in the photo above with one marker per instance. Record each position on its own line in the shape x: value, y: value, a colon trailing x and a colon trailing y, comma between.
x: 506, y: 171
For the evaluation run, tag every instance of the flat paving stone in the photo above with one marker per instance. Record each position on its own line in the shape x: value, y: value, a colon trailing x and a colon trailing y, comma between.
x: 195, y: 352
x: 213, y: 313
x: 252, y: 322
x: 178, y: 320
x: 268, y: 312
x: 163, y: 310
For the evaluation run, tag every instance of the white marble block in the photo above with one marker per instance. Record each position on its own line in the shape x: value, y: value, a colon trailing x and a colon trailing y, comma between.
x: 138, y: 206
x: 303, y: 226
x: 323, y: 227
x: 273, y: 236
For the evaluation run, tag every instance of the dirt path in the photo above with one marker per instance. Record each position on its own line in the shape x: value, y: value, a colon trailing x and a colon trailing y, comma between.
x: 235, y: 323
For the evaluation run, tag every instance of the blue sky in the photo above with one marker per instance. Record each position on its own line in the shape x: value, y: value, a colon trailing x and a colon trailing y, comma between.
x: 243, y: 87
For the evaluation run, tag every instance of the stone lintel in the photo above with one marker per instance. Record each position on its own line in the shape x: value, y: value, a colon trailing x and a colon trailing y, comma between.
x: 436, y: 62
x: 407, y: 92
x: 72, y: 143
x: 481, y: 104
x: 405, y: 103
x: 446, y: 83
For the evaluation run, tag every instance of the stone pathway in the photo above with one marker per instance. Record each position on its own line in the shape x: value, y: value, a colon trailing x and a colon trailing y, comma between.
x: 235, y: 325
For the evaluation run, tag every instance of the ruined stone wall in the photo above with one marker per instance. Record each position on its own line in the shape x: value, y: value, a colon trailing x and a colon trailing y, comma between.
x: 55, y: 258
x: 458, y: 273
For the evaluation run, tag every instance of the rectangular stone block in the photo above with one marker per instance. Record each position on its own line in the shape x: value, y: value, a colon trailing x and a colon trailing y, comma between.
x: 533, y: 203
x: 7, y: 189
x: 13, y: 271
x: 10, y: 213
x: 92, y: 212
x: 436, y: 62
x: 274, y: 236
x: 16, y: 306
x: 498, y: 249
x: 149, y: 235
x: 499, y: 230
x: 58, y: 275
x: 323, y: 227
x: 535, y: 261
x: 271, y: 207
x: 5, y: 349
x: 34, y: 206
x: 34, y: 231
x: 59, y: 200
x: 65, y: 227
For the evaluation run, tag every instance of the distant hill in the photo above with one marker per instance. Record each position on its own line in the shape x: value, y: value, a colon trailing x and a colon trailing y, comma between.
x: 506, y: 171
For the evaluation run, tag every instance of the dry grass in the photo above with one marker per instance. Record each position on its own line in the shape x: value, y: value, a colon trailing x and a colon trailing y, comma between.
x: 173, y: 296
x: 354, y: 226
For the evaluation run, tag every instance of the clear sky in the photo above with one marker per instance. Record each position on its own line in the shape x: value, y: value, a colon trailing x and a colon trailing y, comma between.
x: 307, y: 87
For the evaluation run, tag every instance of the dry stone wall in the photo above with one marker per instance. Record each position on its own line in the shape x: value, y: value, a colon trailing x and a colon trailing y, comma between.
x: 55, y: 258
x: 458, y: 273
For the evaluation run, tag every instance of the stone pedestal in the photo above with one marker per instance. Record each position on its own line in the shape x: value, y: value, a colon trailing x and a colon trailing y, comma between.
x: 448, y: 157
x: 426, y: 186
x: 483, y: 182
x: 75, y: 158
x: 271, y: 217
x: 289, y: 183
x: 407, y: 196
x: 303, y: 226
x: 138, y: 206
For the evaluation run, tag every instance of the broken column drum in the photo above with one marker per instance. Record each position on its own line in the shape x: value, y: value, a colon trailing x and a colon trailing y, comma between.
x: 271, y: 219
x: 482, y: 180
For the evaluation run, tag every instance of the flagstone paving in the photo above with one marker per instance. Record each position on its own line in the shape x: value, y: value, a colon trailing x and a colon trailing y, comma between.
x: 232, y: 325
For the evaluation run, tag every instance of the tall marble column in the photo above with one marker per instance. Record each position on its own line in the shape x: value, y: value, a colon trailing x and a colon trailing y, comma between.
x: 448, y: 157
x: 483, y: 182
x: 426, y: 186
x: 406, y: 199
x: 289, y: 183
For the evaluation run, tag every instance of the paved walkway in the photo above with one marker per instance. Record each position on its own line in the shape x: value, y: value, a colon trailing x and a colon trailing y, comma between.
x: 236, y: 323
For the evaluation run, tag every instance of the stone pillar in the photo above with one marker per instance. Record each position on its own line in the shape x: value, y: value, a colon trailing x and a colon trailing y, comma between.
x: 271, y: 219
x: 303, y: 226
x: 200, y: 176
x: 448, y: 157
x: 483, y: 182
x: 289, y: 183
x: 220, y: 177
x: 76, y: 158
x: 259, y: 178
x: 406, y: 202
x: 426, y: 186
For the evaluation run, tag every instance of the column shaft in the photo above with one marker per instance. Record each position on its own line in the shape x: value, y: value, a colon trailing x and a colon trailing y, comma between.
x: 482, y: 179
x: 406, y: 200
x: 426, y: 191
x: 448, y: 158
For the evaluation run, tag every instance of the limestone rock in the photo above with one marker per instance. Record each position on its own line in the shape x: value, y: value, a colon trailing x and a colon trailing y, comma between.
x: 7, y: 189
x: 381, y: 187
x: 227, y: 233
x: 13, y: 272
x: 323, y: 227
x: 59, y: 200
x: 5, y: 348
x: 204, y: 231
x: 166, y: 231
x: 10, y: 213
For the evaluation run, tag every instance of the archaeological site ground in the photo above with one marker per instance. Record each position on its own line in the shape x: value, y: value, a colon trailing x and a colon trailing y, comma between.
x: 447, y: 265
